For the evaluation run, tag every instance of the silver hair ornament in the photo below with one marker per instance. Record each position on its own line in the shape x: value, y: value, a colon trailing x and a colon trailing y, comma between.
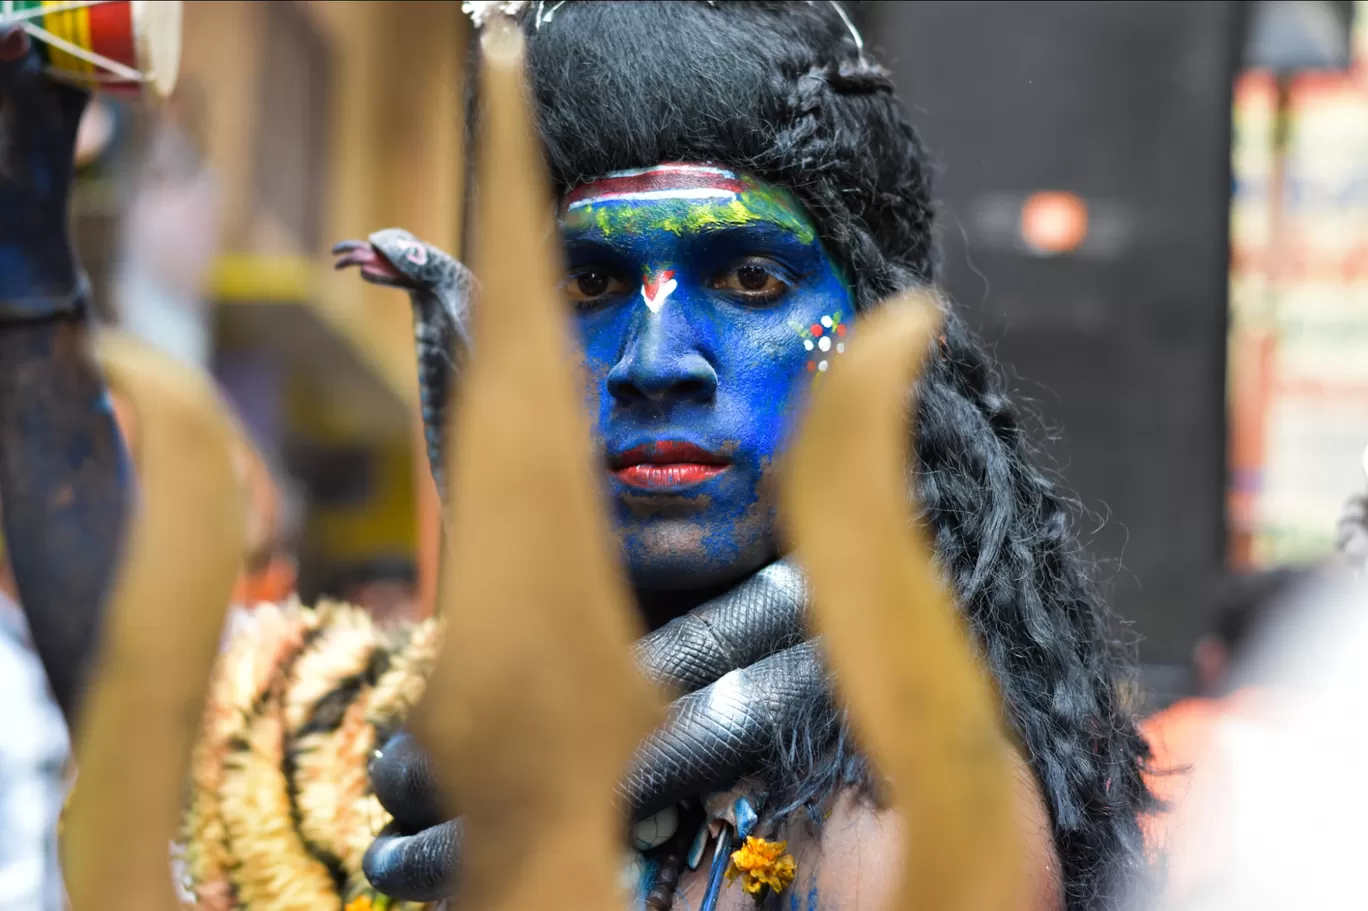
x: 479, y: 11
x: 544, y: 14
x: 850, y: 27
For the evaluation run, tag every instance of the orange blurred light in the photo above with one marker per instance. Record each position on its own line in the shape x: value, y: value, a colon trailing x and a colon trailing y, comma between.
x: 1054, y: 222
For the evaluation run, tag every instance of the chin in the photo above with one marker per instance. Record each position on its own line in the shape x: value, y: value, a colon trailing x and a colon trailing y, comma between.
x: 680, y: 556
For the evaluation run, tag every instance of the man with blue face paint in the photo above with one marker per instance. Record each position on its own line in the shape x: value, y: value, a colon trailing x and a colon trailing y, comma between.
x: 736, y: 181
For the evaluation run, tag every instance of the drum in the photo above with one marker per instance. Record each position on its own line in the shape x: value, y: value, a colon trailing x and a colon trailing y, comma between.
x: 111, y: 45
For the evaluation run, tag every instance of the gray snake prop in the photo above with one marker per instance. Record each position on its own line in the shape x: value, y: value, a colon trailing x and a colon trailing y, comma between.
x: 440, y: 289
x: 742, y: 662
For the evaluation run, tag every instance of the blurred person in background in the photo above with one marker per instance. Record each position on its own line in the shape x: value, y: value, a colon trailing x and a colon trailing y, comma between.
x: 387, y: 587
x: 270, y: 570
x: 34, y: 751
x: 65, y: 467
x: 1186, y: 738
x: 1271, y: 818
x: 168, y: 243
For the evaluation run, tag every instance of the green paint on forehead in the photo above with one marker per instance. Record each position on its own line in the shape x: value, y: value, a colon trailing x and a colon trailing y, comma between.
x: 758, y: 201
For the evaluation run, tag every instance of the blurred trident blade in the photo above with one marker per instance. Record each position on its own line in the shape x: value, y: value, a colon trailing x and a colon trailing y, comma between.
x: 900, y: 653
x: 162, y: 628
x: 534, y: 708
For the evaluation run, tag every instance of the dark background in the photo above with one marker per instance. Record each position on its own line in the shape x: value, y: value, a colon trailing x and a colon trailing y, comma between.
x: 1119, y: 345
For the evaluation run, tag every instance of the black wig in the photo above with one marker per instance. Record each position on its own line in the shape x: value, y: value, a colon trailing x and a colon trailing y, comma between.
x: 781, y: 90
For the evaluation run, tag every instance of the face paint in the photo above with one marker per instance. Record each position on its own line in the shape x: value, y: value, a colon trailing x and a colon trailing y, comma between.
x: 712, y: 199
x: 822, y: 340
x: 667, y: 181
x: 656, y: 287
x: 698, y: 294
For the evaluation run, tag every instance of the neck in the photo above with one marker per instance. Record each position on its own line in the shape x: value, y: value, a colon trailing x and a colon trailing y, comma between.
x: 660, y: 607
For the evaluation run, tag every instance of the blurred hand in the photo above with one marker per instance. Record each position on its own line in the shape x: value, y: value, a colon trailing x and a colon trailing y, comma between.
x: 38, y: 123
x: 413, y: 857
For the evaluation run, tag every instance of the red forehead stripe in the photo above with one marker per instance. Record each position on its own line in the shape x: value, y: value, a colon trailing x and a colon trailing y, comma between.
x: 660, y: 182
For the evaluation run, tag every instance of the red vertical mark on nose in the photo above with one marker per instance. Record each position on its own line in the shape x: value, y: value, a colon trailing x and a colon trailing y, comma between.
x: 652, y: 283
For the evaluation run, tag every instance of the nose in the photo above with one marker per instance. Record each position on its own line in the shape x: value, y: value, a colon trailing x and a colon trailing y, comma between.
x: 661, y: 362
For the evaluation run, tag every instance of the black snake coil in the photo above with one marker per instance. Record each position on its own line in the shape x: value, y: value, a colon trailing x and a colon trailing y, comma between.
x: 742, y: 662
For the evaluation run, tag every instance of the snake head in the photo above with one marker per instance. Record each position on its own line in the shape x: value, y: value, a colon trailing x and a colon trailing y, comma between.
x: 395, y: 258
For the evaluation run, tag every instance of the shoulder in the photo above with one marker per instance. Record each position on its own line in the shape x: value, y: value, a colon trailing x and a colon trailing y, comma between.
x: 852, y: 861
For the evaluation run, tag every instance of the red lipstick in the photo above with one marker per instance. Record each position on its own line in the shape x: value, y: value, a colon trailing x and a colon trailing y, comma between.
x: 668, y: 464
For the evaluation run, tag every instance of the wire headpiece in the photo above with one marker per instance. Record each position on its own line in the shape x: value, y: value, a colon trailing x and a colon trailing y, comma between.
x: 479, y: 12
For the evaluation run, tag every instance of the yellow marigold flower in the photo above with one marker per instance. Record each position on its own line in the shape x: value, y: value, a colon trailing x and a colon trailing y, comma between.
x: 365, y: 903
x: 762, y: 863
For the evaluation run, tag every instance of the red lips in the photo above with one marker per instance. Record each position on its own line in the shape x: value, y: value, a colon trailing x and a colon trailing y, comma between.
x: 666, y: 464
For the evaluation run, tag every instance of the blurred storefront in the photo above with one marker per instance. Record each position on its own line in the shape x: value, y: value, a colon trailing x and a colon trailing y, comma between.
x: 1299, y: 306
x: 206, y: 225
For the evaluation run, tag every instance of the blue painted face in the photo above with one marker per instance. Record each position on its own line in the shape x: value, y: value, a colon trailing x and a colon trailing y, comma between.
x: 706, y: 305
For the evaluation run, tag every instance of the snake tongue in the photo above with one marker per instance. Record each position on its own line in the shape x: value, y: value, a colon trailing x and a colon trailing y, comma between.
x: 381, y: 269
x: 374, y: 266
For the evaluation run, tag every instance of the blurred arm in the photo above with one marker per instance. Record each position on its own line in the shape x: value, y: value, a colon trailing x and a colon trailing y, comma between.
x: 62, y: 465
x: 63, y: 485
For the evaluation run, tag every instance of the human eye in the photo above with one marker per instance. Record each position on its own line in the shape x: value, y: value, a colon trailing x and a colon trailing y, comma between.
x: 754, y: 280
x: 592, y: 285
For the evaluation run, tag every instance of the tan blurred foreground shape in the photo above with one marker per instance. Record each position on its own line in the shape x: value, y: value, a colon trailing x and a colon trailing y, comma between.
x: 183, y: 551
x: 535, y: 706
x: 900, y: 652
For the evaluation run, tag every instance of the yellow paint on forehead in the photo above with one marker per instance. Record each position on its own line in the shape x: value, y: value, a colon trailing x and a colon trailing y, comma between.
x: 757, y: 202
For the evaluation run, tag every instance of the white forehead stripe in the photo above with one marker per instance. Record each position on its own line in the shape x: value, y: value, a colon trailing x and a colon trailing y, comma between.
x: 666, y: 181
x: 644, y: 195
x: 700, y: 169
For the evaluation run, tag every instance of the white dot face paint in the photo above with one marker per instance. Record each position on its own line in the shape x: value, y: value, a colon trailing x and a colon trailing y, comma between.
x: 822, y: 340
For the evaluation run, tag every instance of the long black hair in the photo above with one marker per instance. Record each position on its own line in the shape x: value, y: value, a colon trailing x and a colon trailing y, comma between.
x: 781, y: 90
